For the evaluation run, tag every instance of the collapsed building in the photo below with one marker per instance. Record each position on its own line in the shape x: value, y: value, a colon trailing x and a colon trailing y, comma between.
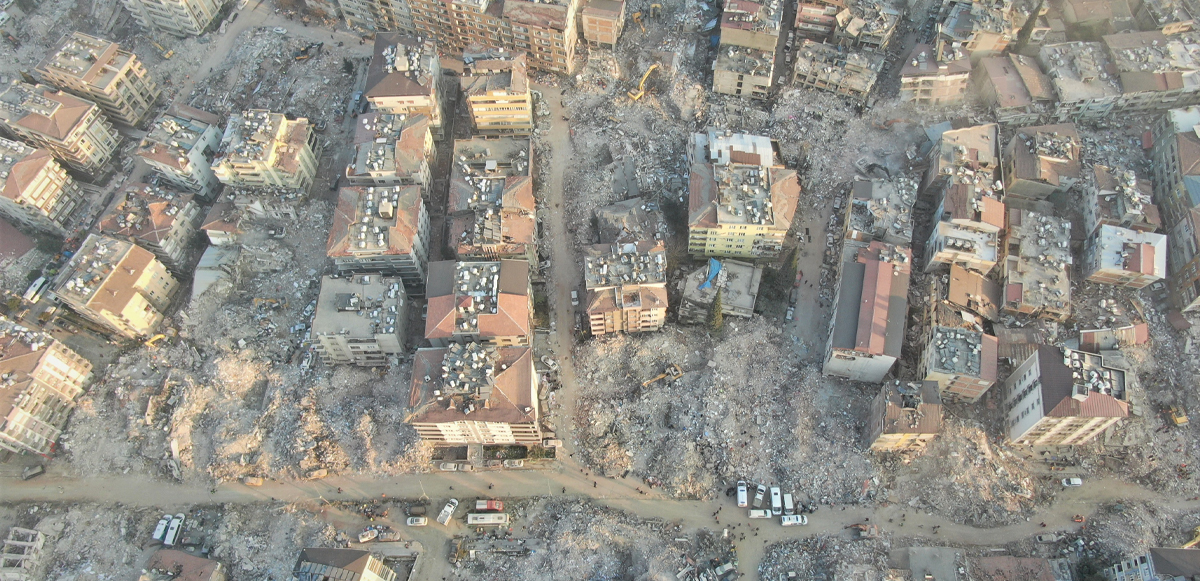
x: 1169, y: 16
x: 1117, y: 197
x: 269, y: 159
x: 1063, y: 398
x: 341, y: 564
x: 176, y: 17
x: 479, y: 302
x: 1041, y: 161
x: 157, y: 218
x: 749, y: 41
x: 963, y: 152
x: 222, y: 223
x: 391, y: 150
x: 475, y: 394
x: 1124, y: 257
x: 117, y: 285
x: 866, y: 25
x: 981, y: 29
x: 970, y: 215
x: 37, y: 192
x: 881, y: 210
x: 626, y: 287
x: 360, y: 320
x: 74, y: 130
x: 737, y: 282
x: 495, y: 86
x: 969, y: 290
x: 719, y: 147
x: 173, y: 565
x: 1176, y: 162
x: 828, y: 67
x: 935, y: 75
x: 180, y: 147
x: 492, y: 210
x: 1035, y: 267
x: 1015, y: 88
x: 382, y: 230
x: 740, y: 210
x: 98, y: 70
x: 23, y: 553
x: 39, y: 381
x: 904, y: 417
x: 958, y: 356
x: 403, y: 77
x: 868, y: 320
x: 629, y: 221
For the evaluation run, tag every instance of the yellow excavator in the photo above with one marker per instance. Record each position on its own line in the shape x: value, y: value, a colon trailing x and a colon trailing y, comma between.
x: 166, y: 53
x: 673, y: 371
x: 1195, y: 539
x: 153, y: 341
x: 641, y: 90
x: 655, y: 10
x: 637, y: 18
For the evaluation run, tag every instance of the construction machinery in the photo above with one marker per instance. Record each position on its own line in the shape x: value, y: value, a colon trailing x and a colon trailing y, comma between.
x: 641, y: 89
x: 637, y: 18
x: 655, y: 10
x: 166, y: 53
x: 1195, y: 539
x: 313, y: 49
x: 155, y: 339
x: 673, y: 372
x: 269, y: 303
x: 863, y: 531
x: 11, y: 39
x: 1177, y: 415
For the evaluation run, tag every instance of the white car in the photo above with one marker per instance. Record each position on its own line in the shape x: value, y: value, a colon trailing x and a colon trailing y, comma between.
x: 447, y: 511
x: 574, y: 298
x: 448, y: 466
x: 514, y: 463
x: 279, y: 30
x: 1069, y: 482
x: 792, y: 520
x: 760, y: 513
x: 416, y: 521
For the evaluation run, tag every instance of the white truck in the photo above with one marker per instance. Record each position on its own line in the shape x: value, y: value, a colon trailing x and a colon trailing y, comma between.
x: 447, y: 512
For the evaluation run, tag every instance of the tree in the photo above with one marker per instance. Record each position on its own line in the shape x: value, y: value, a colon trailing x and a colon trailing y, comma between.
x: 716, y: 314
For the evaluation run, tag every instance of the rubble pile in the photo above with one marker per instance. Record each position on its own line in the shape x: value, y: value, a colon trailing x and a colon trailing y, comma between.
x: 1119, y: 530
x: 826, y: 557
x: 740, y: 411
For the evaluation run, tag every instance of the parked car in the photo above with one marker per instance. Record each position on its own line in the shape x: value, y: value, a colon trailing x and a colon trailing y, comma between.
x: 447, y: 511
x: 448, y: 466
x: 416, y: 521
x: 1048, y: 538
x: 743, y: 495
x: 280, y: 30
x: 1069, y: 482
x: 514, y: 463
x: 32, y: 472
x: 792, y: 520
x: 574, y: 298
x: 760, y: 513
x: 759, y: 494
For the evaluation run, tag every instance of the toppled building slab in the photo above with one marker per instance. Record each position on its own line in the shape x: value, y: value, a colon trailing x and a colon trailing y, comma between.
x: 904, y: 417
x: 1036, y: 267
x: 958, y: 355
x: 160, y: 219
x: 626, y: 286
x: 1157, y: 563
x: 629, y: 221
x: 492, y: 205
x: 1063, y: 398
x: 40, y: 378
x: 36, y: 191
x: 222, y: 224
x: 737, y: 282
x: 867, y: 325
x: 390, y: 150
x: 360, y: 320
x: 1009, y: 568
x: 1015, y: 88
x: 1124, y: 257
x: 1102, y: 340
x: 881, y: 210
x: 836, y: 69
x: 180, y: 146
x: 403, y: 78
x: 487, y: 302
x: 495, y: 86
x: 474, y: 394
x: 1041, y: 161
x: 1117, y: 197
x: 602, y: 22
x: 383, y: 230
x: 866, y: 25
x: 973, y: 291
x: 22, y: 554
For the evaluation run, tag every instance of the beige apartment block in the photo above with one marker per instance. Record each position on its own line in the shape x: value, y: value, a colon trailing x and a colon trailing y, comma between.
x: 116, y: 285
x: 626, y: 286
x: 74, y: 130
x: 1063, y: 398
x: 360, y: 320
x: 746, y: 56
x: 958, y: 356
x: 904, y: 417
x: 176, y: 17
x: 265, y: 150
x: 403, y: 78
x: 160, y: 219
x: 479, y: 302
x: 1124, y: 257
x: 99, y: 70
x: 1117, y: 197
x: 493, y: 213
x: 180, y: 146
x: 475, y: 394
x: 969, y: 218
x: 603, y: 21
x: 382, y: 230
x: 1036, y: 267
x: 496, y: 88
x: 39, y: 381
x: 935, y: 75
x: 981, y: 29
x: 341, y: 564
x: 967, y: 155
x: 740, y: 210
x: 37, y: 192
x: 391, y: 150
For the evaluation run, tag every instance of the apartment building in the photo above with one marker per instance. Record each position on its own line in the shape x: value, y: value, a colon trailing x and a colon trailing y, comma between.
x: 959, y: 357
x: 263, y: 150
x: 817, y: 19
x: 1035, y: 268
x: 968, y: 289
x: 869, y: 318
x: 341, y: 564
x: 74, y: 130
x: 904, y: 417
x: 391, y: 150
x: 866, y: 25
x: 1157, y: 564
x: 970, y: 218
x: 981, y: 29
x: 378, y: 15
x: 833, y: 68
x: 177, y: 17
x: 1123, y: 257
x: 719, y: 147
x: 603, y: 21
x: 479, y: 302
x: 746, y: 56
x: 495, y: 86
x: 493, y: 214
x: 1041, y: 161
x: 382, y: 230
x: 966, y: 155
x: 1063, y: 398
x: 37, y: 192
x: 881, y: 210
x: 740, y: 210
x: 39, y: 381
x: 98, y: 70
x: 117, y: 285
x: 158, y: 218
x: 403, y: 78
x: 1102, y: 15
x: 626, y: 287
x: 935, y: 76
x: 737, y: 281
x: 180, y: 146
x: 222, y: 224
x: 1169, y: 16
x: 1015, y: 89
x: 360, y: 320
x: 1176, y: 162
x: 176, y: 565
x: 475, y: 394
x: 1116, y: 197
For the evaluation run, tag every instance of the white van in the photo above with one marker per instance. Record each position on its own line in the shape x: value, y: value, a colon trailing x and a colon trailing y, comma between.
x: 760, y: 513
x: 742, y: 494
x: 793, y: 520
x: 174, y: 530
x: 492, y: 519
x: 788, y: 506
x: 776, y: 501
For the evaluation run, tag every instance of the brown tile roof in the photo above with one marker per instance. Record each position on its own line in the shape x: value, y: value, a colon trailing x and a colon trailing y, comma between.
x: 144, y: 212
x: 1028, y: 165
x: 24, y: 172
x: 971, y: 290
x: 63, y: 121
x: 1189, y: 153
x: 13, y: 244
x: 185, y: 567
x: 605, y: 300
x: 381, y: 83
x: 926, y: 418
x: 512, y: 316
x: 884, y: 285
x: 512, y: 392
x: 603, y: 8
x: 222, y: 217
x: 1058, y: 385
x: 402, y: 229
x: 702, y: 190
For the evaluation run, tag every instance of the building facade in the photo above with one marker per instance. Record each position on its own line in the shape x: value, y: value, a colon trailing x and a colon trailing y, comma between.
x: 1015, y: 88
x: 740, y: 210
x: 935, y: 75
x: 264, y: 150
x: 1063, y: 398
x: 496, y: 89
x: 74, y: 130
x: 177, y: 17
x: 117, y: 285
x: 157, y: 218
x: 626, y: 287
x: 1176, y: 162
x: 832, y: 68
x: 1124, y: 257
x: 1157, y: 564
x: 98, y: 70
x: 37, y: 192
x: 479, y: 302
x: 602, y: 22
x: 382, y: 230
x: 360, y: 320
x: 341, y: 564
x: 180, y: 146
x: 746, y: 55
x: 40, y: 380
